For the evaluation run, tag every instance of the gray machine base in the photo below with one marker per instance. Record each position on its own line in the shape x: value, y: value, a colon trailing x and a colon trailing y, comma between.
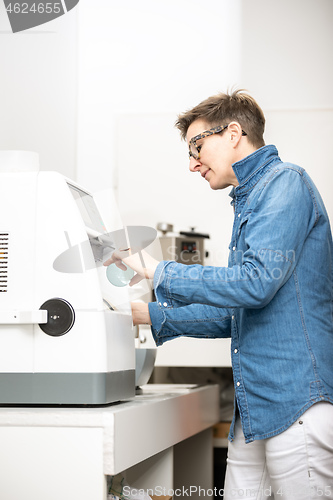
x: 66, y: 388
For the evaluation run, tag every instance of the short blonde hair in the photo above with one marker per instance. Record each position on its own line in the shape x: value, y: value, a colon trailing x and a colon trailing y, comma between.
x: 222, y: 108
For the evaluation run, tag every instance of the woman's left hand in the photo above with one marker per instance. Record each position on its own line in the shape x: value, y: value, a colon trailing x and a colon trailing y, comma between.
x: 140, y: 313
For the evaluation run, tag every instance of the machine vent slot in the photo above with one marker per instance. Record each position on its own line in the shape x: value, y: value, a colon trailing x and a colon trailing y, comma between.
x: 4, y: 238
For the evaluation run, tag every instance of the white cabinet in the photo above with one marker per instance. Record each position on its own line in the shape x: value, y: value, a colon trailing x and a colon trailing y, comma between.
x: 186, y: 351
x: 161, y: 438
x: 194, y: 352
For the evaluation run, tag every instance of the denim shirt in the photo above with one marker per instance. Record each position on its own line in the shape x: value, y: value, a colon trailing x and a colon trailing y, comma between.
x: 275, y: 298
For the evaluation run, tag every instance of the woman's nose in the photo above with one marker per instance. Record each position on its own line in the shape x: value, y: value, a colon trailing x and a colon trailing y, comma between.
x: 194, y: 165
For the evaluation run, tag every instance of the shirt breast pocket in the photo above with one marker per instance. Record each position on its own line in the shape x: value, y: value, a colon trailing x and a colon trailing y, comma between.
x: 241, y: 245
x: 237, y: 245
x: 243, y: 222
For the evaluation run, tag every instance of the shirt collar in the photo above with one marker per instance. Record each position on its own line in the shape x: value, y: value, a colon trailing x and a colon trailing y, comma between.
x: 246, y: 168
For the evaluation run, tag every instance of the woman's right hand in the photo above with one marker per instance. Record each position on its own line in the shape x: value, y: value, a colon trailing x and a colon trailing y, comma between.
x: 141, y: 262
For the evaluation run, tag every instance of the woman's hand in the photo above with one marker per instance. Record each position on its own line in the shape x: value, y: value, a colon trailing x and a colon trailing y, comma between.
x: 141, y: 262
x: 140, y: 313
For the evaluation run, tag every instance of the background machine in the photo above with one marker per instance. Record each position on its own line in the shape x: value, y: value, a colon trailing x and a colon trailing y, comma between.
x: 187, y: 247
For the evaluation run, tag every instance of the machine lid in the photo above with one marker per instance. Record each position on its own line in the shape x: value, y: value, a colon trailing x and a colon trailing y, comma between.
x: 192, y: 234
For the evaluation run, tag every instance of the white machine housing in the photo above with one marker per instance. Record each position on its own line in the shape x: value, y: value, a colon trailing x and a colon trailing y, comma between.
x: 45, y: 219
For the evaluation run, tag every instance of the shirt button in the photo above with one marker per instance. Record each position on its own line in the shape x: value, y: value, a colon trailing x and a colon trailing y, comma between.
x: 238, y: 384
x: 165, y: 304
x: 159, y: 304
x: 238, y: 215
x: 232, y: 317
x: 234, y: 248
x: 236, y: 351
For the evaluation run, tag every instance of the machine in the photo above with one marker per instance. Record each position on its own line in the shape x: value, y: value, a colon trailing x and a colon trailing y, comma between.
x: 62, y: 342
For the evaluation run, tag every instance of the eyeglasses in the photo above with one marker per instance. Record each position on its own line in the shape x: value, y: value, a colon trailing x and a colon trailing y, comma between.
x: 194, y: 150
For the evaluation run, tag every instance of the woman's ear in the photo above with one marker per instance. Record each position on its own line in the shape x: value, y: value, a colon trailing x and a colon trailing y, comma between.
x: 235, y: 132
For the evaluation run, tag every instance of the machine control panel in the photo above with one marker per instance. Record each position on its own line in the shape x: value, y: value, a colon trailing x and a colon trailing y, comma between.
x: 189, y: 246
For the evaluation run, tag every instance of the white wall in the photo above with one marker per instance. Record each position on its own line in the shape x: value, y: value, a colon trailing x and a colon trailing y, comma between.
x: 140, y: 64
x: 286, y: 52
x: 38, y: 91
x: 287, y: 64
x: 147, y: 57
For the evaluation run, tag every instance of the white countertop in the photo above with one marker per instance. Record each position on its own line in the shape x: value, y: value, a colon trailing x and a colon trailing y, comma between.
x: 136, y: 429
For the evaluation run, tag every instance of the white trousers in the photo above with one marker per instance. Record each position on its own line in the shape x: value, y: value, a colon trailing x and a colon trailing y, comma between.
x: 294, y: 465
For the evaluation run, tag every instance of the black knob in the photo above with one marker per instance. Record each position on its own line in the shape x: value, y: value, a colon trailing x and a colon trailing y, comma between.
x: 60, y: 317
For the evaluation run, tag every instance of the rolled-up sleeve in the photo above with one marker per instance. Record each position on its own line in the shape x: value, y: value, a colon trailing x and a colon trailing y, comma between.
x: 194, y: 320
